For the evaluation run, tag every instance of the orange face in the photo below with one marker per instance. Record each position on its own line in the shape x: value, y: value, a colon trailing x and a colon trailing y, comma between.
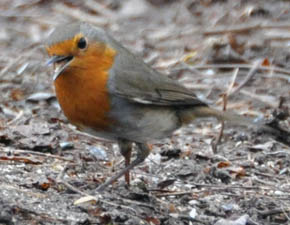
x: 67, y: 47
x: 82, y: 70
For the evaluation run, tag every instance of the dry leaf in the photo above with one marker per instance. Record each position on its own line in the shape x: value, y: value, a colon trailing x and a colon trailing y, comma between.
x: 165, y: 183
x: 223, y: 164
x: 240, y: 221
x: 152, y: 220
x: 172, y: 208
x: 237, y: 172
x: 86, y: 199
x: 265, y: 62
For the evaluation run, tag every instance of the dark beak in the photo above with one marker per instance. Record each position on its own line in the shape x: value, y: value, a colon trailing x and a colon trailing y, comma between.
x: 58, y: 59
x: 61, y: 63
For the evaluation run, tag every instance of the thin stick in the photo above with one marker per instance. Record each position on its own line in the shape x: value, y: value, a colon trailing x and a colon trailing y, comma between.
x: 231, y: 86
x: 38, y: 153
x: 225, y: 101
x: 79, y: 15
x: 61, y: 174
x: 246, y: 28
x: 208, y: 186
x: 10, y: 65
x: 220, y: 136
x: 272, y: 212
x: 90, y: 136
x: 95, y: 198
x: 99, y: 8
x: 233, y: 66
x: 250, y: 75
x: 271, y: 102
x: 17, y: 118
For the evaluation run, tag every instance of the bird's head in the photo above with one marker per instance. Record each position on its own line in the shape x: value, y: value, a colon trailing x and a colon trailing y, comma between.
x: 76, y: 46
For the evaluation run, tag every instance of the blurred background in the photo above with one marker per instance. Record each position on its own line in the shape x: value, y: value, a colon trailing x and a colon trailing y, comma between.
x: 214, y: 47
x: 188, y: 40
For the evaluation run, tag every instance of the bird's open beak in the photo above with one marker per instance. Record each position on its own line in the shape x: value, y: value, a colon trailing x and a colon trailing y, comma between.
x: 60, y: 62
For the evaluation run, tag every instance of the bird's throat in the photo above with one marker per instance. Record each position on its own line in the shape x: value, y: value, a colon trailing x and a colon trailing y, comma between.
x: 82, y: 91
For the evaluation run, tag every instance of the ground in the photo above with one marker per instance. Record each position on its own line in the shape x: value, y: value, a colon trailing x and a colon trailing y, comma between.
x: 231, y: 53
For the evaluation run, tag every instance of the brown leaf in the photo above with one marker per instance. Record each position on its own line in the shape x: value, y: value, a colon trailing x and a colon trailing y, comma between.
x: 237, y: 172
x: 105, y: 219
x: 21, y: 159
x: 265, y: 62
x: 207, y: 170
x: 43, y: 184
x: 165, y: 183
x: 152, y: 220
x: 223, y: 164
x: 17, y: 94
x: 235, y: 45
x: 95, y: 211
x: 172, y: 208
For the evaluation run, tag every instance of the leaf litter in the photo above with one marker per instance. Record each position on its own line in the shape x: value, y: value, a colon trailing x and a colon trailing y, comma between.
x: 49, y: 171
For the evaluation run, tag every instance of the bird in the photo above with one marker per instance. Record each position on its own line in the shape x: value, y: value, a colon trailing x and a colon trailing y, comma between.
x: 107, y: 91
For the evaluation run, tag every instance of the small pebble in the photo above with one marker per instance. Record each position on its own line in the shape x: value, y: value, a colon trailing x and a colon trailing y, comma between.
x: 98, y: 152
x: 66, y: 145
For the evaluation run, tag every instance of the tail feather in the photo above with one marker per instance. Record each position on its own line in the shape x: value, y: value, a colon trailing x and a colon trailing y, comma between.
x: 273, y: 129
x: 232, y: 118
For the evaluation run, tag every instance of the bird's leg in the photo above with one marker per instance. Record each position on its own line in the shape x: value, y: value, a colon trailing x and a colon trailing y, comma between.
x: 142, y: 152
x: 126, y: 149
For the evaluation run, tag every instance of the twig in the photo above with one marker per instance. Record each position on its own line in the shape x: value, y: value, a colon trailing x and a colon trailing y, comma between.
x: 18, y: 116
x: 246, y: 28
x: 31, y: 51
x: 281, y: 102
x: 61, y: 174
x: 262, y: 181
x: 266, y: 175
x: 174, y: 193
x: 233, y: 66
x: 219, y: 137
x: 226, y: 187
x: 72, y: 188
x: 278, y: 153
x: 76, y: 13
x: 231, y: 86
x: 184, y: 66
x: 97, y: 198
x: 250, y: 75
x: 188, y: 218
x: 216, y: 187
x: 90, y: 136
x: 28, y: 191
x: 269, y: 100
x: 137, y: 203
x: 37, y: 153
x: 272, y: 212
x: 99, y: 8
x: 10, y: 65
x: 225, y: 101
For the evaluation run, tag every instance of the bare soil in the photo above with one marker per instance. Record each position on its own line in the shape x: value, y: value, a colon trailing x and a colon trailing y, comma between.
x: 48, y: 169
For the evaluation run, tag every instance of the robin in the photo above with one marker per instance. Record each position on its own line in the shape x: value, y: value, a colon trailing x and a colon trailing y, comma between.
x: 105, y: 90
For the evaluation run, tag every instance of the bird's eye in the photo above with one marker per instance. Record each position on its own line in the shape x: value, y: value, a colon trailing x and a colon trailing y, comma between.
x: 82, y: 44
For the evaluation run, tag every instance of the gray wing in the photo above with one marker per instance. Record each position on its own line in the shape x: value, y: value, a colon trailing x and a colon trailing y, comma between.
x: 139, y: 83
x: 134, y: 80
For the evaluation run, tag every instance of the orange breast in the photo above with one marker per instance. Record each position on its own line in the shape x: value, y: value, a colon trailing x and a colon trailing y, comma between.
x: 82, y: 88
